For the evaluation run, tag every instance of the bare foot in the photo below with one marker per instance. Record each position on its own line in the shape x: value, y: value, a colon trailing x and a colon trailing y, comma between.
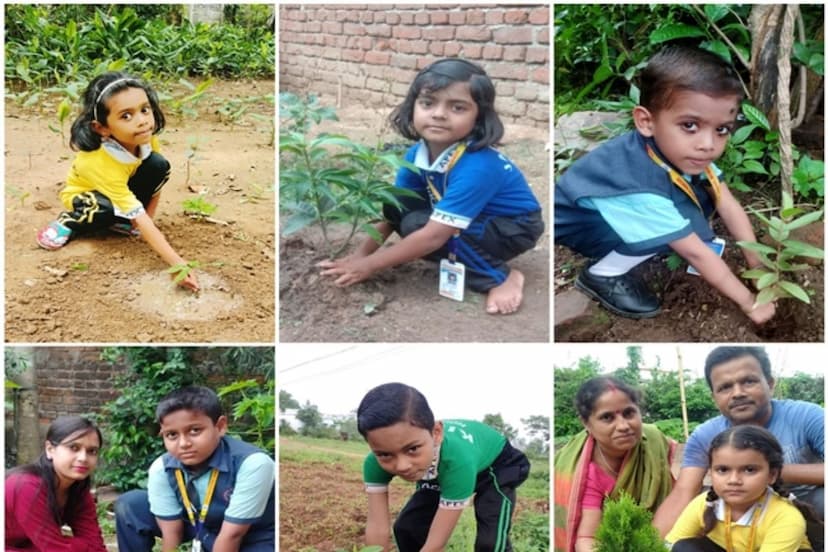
x: 506, y: 298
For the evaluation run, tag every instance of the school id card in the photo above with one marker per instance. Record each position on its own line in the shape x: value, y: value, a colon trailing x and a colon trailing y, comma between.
x: 717, y: 245
x: 452, y: 279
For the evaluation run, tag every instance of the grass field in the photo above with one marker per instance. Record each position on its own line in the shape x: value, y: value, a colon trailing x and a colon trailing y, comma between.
x: 322, y: 505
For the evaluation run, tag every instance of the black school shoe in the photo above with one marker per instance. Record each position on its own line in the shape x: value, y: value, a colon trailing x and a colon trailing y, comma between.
x: 626, y: 295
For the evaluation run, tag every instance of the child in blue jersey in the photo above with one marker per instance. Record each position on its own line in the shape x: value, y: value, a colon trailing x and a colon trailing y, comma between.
x: 454, y: 462
x: 747, y: 509
x: 655, y: 188
x: 213, y: 490
x: 116, y: 178
x: 474, y: 206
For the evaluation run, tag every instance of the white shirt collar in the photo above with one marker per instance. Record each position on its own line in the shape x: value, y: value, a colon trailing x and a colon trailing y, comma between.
x: 440, y: 164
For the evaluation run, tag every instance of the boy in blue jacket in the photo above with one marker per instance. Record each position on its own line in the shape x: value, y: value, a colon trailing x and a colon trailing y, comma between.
x: 213, y: 490
x: 655, y: 188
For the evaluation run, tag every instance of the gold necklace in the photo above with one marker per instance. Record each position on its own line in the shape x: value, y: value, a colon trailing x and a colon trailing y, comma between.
x: 604, y: 458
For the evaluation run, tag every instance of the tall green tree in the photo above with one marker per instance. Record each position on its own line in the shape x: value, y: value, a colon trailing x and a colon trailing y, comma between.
x: 496, y: 421
x: 311, y: 419
x: 567, y: 382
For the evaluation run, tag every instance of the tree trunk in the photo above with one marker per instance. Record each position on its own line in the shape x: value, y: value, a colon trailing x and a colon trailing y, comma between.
x: 765, y: 30
x: 26, y: 424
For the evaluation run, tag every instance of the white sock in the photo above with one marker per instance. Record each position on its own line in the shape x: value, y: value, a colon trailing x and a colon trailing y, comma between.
x: 616, y: 264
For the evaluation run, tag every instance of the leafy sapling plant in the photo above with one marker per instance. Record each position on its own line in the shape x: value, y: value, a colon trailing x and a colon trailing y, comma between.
x: 198, y: 207
x: 627, y: 526
x: 182, y: 270
x: 331, y: 179
x: 782, y: 258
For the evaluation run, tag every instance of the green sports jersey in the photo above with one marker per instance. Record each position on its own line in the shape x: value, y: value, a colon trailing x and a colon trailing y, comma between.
x: 468, y: 448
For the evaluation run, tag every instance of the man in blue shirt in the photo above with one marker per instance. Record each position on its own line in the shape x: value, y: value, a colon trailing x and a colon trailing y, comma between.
x: 742, y: 385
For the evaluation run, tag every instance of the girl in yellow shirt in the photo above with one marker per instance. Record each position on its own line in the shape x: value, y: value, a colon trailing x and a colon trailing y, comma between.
x: 747, y: 509
x: 116, y: 178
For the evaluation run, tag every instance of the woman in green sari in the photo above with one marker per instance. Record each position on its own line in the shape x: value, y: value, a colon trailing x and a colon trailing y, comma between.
x: 615, y: 453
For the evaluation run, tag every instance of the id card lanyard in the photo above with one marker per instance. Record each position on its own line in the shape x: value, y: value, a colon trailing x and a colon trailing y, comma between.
x: 753, y: 524
x: 681, y: 183
x: 452, y: 279
x: 437, y: 195
x: 190, y: 508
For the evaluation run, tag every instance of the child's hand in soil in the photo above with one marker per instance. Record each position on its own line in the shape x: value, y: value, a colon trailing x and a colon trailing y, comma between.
x: 190, y: 282
x: 347, y: 270
x: 762, y: 313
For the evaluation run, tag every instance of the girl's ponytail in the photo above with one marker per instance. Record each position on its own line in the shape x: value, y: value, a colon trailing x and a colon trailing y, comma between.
x: 709, y: 517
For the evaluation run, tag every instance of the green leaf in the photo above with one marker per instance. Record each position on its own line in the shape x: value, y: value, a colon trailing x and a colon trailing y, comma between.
x: 767, y: 280
x: 674, y: 31
x: 805, y: 220
x: 754, y: 273
x: 755, y: 116
x: 767, y: 295
x: 755, y: 246
x: 742, y: 134
x: 753, y: 166
x: 715, y: 12
x: 795, y: 291
x: 802, y: 249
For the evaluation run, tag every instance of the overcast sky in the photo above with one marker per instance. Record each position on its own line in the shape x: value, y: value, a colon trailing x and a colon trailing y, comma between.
x: 471, y: 380
x: 458, y: 380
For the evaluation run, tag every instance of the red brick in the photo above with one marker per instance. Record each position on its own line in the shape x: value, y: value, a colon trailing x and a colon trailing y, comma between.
x: 508, y: 71
x: 514, y: 53
x: 406, y: 32
x: 421, y: 18
x: 492, y: 51
x: 513, y: 35
x: 406, y: 62
x: 510, y: 106
x: 366, y: 17
x: 538, y: 112
x: 543, y: 35
x: 392, y: 18
x: 438, y: 33
x: 439, y: 18
x: 378, y: 30
x: 353, y: 29
x: 377, y: 58
x: 330, y: 53
x: 330, y: 27
x: 379, y: 17
x: 457, y: 18
x: 537, y: 54
x: 436, y: 48
x: 539, y: 16
x: 475, y: 17
x: 313, y: 27
x: 474, y: 34
x: 419, y: 46
x: 473, y: 51
x: 365, y: 43
x: 407, y: 18
x: 294, y: 26
x: 541, y: 74
x: 526, y: 92
x: 504, y: 88
x: 494, y: 17
x: 515, y: 17
x: 451, y: 49
x: 339, y: 41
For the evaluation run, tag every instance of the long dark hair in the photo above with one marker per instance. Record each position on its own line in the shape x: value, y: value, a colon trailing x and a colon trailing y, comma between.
x: 593, y: 388
x: 59, y: 430
x: 488, y: 129
x: 95, y: 108
x: 391, y: 403
x: 744, y: 437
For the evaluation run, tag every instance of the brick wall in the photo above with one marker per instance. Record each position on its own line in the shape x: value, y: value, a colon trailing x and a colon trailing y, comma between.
x: 72, y: 381
x: 371, y: 53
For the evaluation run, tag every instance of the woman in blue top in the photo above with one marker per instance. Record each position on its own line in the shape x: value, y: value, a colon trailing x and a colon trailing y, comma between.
x: 473, y: 206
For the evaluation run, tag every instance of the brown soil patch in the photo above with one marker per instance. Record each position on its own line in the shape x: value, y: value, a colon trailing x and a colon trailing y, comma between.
x: 111, y: 288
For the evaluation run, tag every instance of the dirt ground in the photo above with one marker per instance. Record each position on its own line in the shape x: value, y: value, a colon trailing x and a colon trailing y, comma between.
x: 692, y: 311
x: 112, y: 288
x: 402, y: 303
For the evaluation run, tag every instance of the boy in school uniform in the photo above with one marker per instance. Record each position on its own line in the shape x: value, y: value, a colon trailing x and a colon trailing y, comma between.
x: 213, y: 490
x: 655, y: 188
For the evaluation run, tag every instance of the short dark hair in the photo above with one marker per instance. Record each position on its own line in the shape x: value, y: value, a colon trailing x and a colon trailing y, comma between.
x: 391, y: 403
x: 488, y: 129
x: 195, y: 398
x: 95, y: 108
x: 720, y: 355
x: 593, y: 388
x: 678, y: 69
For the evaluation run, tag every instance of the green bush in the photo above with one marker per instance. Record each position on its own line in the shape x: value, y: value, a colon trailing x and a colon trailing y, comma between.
x: 627, y: 526
x: 49, y: 45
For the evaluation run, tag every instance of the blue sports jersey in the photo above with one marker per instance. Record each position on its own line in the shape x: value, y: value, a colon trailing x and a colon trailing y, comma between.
x: 483, y: 182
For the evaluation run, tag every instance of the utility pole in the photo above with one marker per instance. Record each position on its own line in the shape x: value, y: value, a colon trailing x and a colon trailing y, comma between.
x: 681, y: 391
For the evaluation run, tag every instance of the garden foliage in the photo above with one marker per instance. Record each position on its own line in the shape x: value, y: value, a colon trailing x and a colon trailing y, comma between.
x: 627, y: 526
x: 329, y: 178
